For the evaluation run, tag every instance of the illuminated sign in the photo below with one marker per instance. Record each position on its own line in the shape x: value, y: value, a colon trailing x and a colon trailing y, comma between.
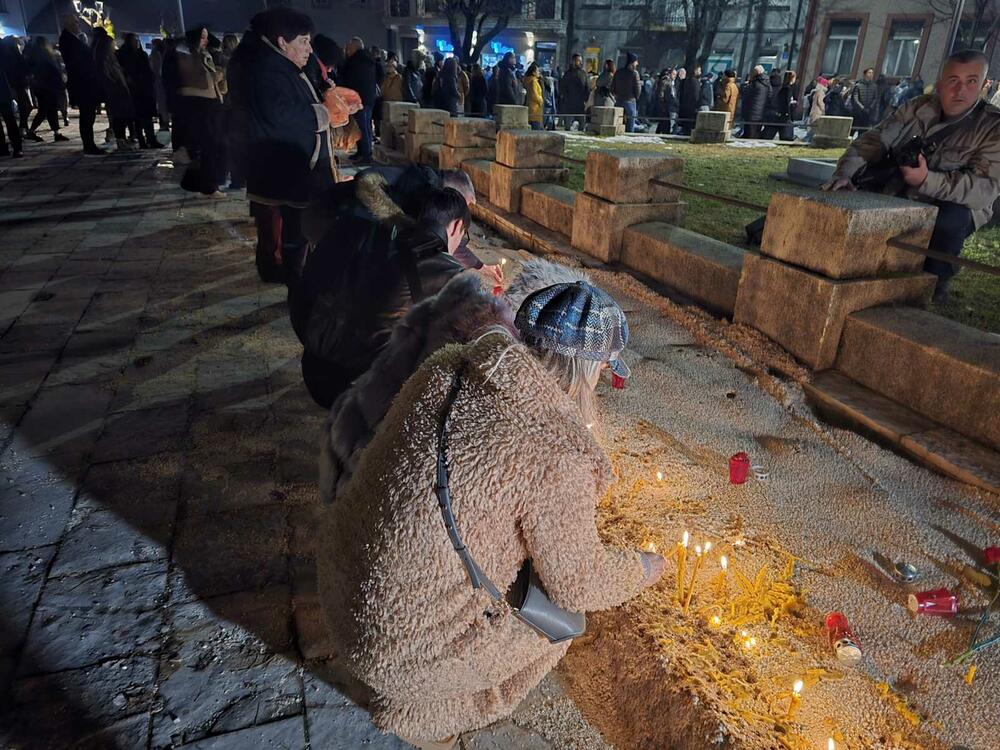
x: 444, y: 45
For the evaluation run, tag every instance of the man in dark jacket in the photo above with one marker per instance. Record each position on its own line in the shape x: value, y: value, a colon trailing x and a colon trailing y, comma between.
x: 239, y: 84
x: 353, y: 293
x: 81, y: 80
x: 574, y: 90
x: 359, y: 74
x: 289, y: 139
x: 758, y: 91
x: 626, y: 87
x: 506, y: 81
x: 689, y: 95
x: 865, y: 101
x: 6, y: 108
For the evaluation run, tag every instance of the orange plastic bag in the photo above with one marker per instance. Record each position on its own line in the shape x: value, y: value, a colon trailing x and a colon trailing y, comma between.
x: 341, y: 103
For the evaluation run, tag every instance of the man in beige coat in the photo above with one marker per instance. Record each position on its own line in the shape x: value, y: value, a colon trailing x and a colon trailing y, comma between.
x: 525, y: 475
x: 962, y: 175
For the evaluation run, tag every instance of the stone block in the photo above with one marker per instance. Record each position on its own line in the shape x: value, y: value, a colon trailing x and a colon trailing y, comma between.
x: 453, y: 157
x: 607, y: 115
x: 711, y: 136
x: 832, y: 127
x: 430, y: 154
x: 810, y: 171
x: 529, y: 149
x: 549, y: 205
x: 843, y: 235
x: 626, y: 176
x: 824, y: 141
x: 387, y: 135
x: 469, y: 132
x: 704, y: 269
x: 427, y: 121
x: 414, y: 143
x: 507, y: 116
x: 599, y: 225
x: 717, y: 121
x: 608, y: 130
x: 941, y: 369
x: 479, y: 171
x: 397, y: 112
x: 805, y: 312
x: 506, y: 183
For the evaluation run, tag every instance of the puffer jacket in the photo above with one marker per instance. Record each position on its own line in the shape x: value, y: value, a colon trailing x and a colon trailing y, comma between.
x: 525, y: 475
x: 964, y: 169
x: 533, y: 98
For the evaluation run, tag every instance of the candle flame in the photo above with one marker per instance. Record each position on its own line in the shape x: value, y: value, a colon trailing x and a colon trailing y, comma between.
x: 659, y: 476
x: 708, y: 546
x: 697, y: 549
x: 684, y: 540
x: 830, y: 744
x: 797, y: 687
x: 651, y: 547
x: 751, y: 642
x: 503, y: 261
x: 724, y: 562
x: 589, y: 425
x: 716, y: 620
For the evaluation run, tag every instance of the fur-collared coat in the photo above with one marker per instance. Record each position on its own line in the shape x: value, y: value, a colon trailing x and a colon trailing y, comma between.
x: 525, y: 477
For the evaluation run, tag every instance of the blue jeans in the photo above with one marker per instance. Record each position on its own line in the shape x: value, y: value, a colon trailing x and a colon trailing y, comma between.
x: 631, y: 112
x: 364, y: 120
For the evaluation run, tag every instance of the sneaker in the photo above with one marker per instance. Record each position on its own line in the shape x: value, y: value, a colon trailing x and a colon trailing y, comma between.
x: 32, y: 136
x: 59, y: 138
x: 217, y: 194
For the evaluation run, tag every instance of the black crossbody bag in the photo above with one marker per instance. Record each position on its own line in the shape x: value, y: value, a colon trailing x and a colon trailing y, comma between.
x: 526, y: 597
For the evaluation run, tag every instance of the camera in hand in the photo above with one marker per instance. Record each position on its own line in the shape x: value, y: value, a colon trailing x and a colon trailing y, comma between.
x: 875, y: 177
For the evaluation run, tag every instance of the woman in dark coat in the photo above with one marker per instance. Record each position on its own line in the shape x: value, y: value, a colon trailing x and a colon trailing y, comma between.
x: 139, y: 76
x: 114, y: 87
x: 201, y: 85
x: 48, y: 86
x: 477, y: 92
x: 289, y: 140
x: 446, y: 92
x: 757, y: 93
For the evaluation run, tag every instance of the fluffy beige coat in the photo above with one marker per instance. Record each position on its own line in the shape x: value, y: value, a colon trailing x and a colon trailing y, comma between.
x: 526, y: 475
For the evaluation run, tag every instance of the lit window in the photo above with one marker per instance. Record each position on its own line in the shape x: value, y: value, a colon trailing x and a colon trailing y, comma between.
x: 841, y: 43
x: 901, y: 50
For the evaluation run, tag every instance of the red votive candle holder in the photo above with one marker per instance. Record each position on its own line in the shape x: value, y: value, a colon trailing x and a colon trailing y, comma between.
x: 739, y: 468
x: 617, y: 381
x: 842, y: 639
x: 940, y: 602
x: 497, y: 290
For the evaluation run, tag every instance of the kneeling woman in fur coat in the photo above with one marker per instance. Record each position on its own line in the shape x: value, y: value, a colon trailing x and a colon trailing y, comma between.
x: 525, y: 475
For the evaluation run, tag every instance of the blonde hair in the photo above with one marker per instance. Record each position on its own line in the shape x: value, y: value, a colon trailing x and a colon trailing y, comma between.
x: 577, y: 377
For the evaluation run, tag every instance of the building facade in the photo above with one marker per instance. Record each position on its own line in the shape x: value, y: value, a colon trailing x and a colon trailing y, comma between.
x: 535, y: 34
x: 899, y: 39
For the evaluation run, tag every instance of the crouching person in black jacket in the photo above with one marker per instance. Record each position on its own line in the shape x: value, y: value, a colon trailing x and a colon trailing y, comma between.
x: 352, y: 294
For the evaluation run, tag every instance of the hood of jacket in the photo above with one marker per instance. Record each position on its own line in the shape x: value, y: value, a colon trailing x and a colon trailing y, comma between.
x: 370, y: 189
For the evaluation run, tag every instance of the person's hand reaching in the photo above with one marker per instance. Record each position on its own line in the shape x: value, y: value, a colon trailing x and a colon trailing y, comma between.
x: 838, y: 183
x: 493, y: 274
x: 653, y: 565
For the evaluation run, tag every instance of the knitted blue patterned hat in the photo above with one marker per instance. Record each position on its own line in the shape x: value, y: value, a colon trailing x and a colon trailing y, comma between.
x: 578, y: 320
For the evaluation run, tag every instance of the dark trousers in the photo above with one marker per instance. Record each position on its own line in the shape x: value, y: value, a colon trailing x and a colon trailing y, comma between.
x: 325, y: 380
x: 267, y: 218
x: 204, y: 122
x: 48, y: 109
x: 119, y: 125
x: 364, y: 120
x: 88, y: 113
x: 13, y: 131
x: 954, y: 224
x: 23, y: 106
x: 293, y: 243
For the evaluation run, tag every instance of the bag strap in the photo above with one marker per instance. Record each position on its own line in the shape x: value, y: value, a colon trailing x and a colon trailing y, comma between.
x: 442, y: 490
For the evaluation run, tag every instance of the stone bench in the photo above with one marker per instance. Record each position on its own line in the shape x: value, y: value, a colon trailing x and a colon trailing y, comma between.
x: 704, y: 269
x: 805, y: 312
x: 549, y: 205
x: 832, y: 132
x: 941, y: 369
x: 430, y: 155
x: 479, y: 172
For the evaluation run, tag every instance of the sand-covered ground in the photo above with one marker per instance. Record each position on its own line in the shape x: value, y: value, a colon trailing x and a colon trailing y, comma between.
x: 816, y: 535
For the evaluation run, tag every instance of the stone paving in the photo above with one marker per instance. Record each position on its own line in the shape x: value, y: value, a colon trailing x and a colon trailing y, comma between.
x: 157, y: 477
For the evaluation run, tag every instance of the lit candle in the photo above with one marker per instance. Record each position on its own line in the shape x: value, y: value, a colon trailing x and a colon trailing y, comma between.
x: 721, y: 590
x: 716, y: 620
x: 651, y: 547
x: 694, y: 577
x: 681, y: 560
x: 793, y: 705
x: 503, y: 261
x: 830, y: 744
x: 659, y: 476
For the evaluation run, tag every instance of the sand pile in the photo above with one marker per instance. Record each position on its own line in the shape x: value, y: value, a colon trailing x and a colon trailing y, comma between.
x: 806, y: 540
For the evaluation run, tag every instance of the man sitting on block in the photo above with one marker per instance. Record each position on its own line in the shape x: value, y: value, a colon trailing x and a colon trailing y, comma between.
x: 942, y: 148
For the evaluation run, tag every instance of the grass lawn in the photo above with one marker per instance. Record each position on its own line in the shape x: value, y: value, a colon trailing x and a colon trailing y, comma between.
x: 745, y: 173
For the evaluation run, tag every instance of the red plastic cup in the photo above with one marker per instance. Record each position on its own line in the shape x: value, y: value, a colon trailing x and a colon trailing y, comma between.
x: 739, y: 468
x: 939, y: 602
x: 842, y: 639
x: 617, y: 381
